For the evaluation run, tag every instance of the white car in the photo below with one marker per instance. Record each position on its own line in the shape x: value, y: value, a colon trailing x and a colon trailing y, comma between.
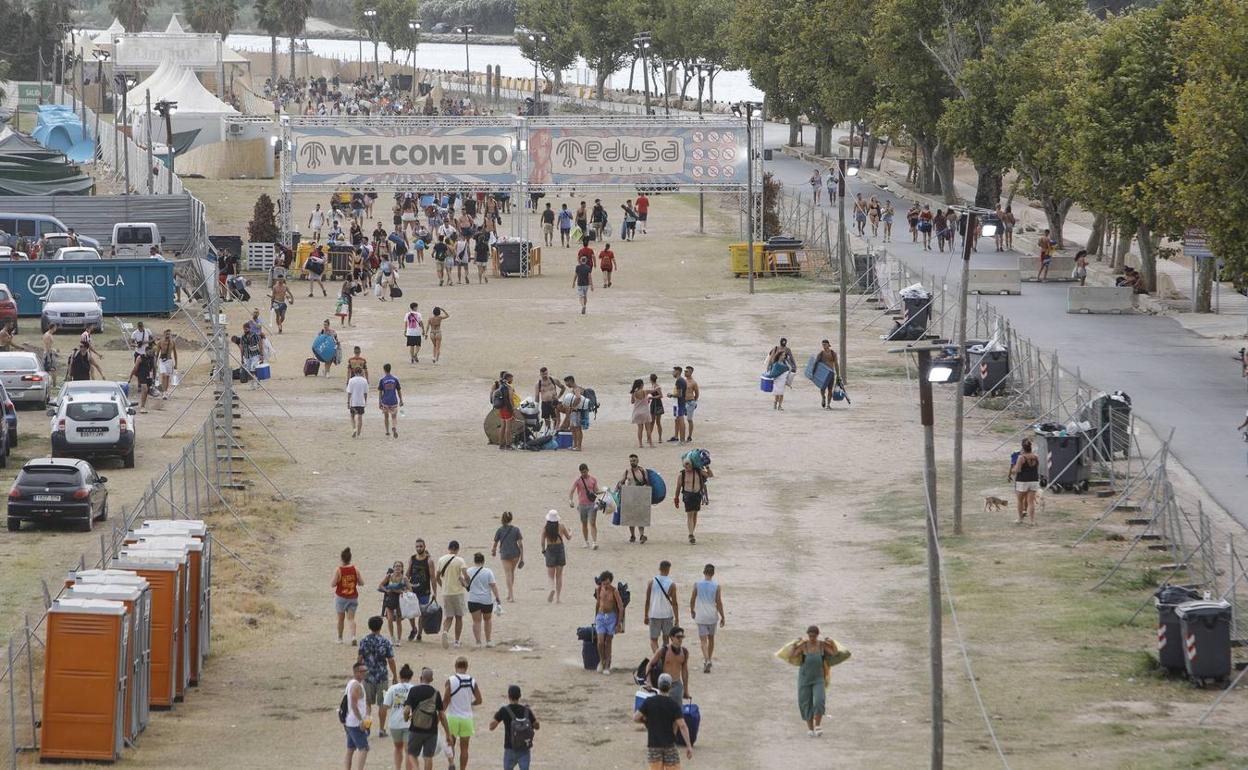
x: 72, y: 305
x: 76, y: 252
x: 94, y: 425
x: 83, y: 388
x: 24, y: 377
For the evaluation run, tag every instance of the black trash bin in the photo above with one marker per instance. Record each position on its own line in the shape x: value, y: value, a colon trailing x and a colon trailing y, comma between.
x: 1206, y: 630
x: 993, y: 367
x: 1065, y: 462
x: 1169, y: 639
x: 918, y: 311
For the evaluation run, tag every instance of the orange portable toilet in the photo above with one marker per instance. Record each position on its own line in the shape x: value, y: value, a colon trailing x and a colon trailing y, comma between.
x: 164, y: 575
x: 197, y: 529
x: 196, y: 606
x: 181, y: 552
x: 142, y: 643
x: 134, y: 598
x: 84, y: 680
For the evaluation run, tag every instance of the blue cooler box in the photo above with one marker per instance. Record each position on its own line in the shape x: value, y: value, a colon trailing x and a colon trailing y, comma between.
x: 564, y: 439
x: 262, y: 372
x: 766, y: 384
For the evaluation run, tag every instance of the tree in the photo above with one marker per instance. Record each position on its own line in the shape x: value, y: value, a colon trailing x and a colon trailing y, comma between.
x: 1211, y: 149
x: 291, y: 16
x: 29, y: 36
x: 830, y: 46
x: 211, y: 15
x: 131, y: 13
x: 605, y: 29
x: 757, y: 30
x: 267, y: 19
x: 1122, y: 105
x: 562, y: 47
x: 263, y: 225
x: 390, y: 26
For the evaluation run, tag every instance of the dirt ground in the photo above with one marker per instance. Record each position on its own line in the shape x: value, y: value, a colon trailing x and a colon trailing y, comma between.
x: 814, y: 518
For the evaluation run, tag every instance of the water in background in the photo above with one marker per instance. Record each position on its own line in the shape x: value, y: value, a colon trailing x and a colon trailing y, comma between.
x: 730, y: 85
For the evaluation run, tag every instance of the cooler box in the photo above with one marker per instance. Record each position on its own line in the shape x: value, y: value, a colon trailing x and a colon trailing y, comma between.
x: 640, y: 697
x: 262, y: 372
x: 766, y: 384
x: 563, y: 439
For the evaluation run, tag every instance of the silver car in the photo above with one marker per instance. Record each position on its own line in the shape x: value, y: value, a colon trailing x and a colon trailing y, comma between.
x: 24, y: 378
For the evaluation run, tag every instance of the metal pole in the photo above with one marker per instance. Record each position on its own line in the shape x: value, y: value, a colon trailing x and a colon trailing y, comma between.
x: 148, y: 99
x: 933, y: 565
x: 749, y: 172
x: 169, y: 139
x: 959, y: 399
x: 125, y: 142
x: 30, y: 686
x: 842, y: 242
x: 645, y: 75
x: 467, y: 66
x: 12, y: 709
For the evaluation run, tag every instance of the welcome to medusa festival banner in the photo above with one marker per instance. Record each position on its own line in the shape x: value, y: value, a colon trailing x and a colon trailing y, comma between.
x: 427, y: 154
x: 699, y: 156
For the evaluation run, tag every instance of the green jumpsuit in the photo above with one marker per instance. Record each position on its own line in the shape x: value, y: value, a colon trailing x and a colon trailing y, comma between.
x: 810, y: 690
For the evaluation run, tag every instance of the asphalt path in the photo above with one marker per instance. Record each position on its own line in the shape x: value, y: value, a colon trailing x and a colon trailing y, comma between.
x: 1176, y: 378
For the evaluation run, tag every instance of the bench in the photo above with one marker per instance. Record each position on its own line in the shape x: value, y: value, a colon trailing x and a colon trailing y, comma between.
x: 1000, y: 281
x: 1060, y: 268
x: 1100, y: 299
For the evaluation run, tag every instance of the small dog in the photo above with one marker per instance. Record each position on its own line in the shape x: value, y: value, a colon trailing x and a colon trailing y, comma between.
x: 993, y: 503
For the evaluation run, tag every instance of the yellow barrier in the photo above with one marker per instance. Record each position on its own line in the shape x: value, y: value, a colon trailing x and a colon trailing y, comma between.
x: 738, y: 258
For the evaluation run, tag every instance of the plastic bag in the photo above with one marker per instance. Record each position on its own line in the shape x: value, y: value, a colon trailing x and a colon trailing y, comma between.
x: 409, y: 604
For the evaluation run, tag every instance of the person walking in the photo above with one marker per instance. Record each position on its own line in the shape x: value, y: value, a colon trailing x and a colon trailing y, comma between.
x: 280, y: 297
x: 424, y: 711
x: 912, y: 219
x: 1008, y: 220
x: 664, y: 720
x: 691, y: 492
x: 642, y: 204
x: 583, y: 495
x: 925, y: 226
x: 635, y: 476
x: 640, y: 400
x: 889, y: 213
x: 705, y: 603
x: 816, y: 185
x: 661, y: 612
x: 606, y: 263
x: 144, y: 373
x: 781, y: 367
x: 434, y: 331
x: 420, y: 570
x: 873, y: 214
x: 1081, y: 267
x: 460, y: 694
x: 377, y: 654
x: 344, y: 306
x: 1026, y: 475
x: 414, y: 329
x: 357, y: 400
x: 565, y: 227
x: 583, y: 280
x: 655, y: 392
x: 346, y: 585
x: 827, y: 357
x: 813, y: 656
x: 482, y: 596
x: 680, y: 392
x: 166, y: 362
x: 450, y: 568
x: 1046, y: 246
x: 393, y: 586
x: 548, y: 225
x: 502, y: 399
x: 673, y: 659
x: 547, y: 393
x: 519, y: 723
x: 554, y: 534
x: 357, y: 723
x: 316, y: 223
x: 860, y: 215
x: 609, y: 612
x: 509, y: 547
x: 390, y: 399
x: 391, y: 714
x: 692, y: 392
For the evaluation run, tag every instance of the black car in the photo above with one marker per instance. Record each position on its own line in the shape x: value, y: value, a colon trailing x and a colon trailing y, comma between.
x: 57, y: 489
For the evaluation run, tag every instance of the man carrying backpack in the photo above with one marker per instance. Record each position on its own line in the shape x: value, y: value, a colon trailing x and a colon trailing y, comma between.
x: 501, y: 399
x: 424, y: 711
x: 519, y: 724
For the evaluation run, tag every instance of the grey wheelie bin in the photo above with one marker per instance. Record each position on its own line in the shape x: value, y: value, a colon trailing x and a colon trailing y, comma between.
x: 1169, y: 639
x: 1206, y: 629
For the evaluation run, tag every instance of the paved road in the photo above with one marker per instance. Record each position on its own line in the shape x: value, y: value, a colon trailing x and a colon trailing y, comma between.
x: 1175, y: 377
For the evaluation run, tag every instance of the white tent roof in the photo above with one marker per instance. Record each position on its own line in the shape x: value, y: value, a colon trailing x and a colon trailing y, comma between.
x: 153, y: 82
x: 175, y: 26
x: 105, y: 38
x: 184, y: 88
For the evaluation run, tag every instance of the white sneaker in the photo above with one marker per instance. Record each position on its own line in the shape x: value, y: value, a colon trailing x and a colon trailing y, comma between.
x: 457, y: 645
x: 489, y: 644
x: 594, y: 546
x: 606, y: 672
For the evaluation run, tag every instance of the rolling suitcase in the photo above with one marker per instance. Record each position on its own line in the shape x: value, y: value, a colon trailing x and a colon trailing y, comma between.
x: 589, y: 647
x: 693, y: 720
x: 310, y: 367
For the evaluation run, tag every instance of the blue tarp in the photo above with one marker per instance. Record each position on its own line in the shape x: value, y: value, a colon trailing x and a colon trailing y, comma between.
x: 60, y: 128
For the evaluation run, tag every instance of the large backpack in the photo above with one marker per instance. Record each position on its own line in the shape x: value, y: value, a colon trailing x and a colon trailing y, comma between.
x: 522, y: 730
x: 342, y: 709
x: 425, y: 715
x: 498, y: 399
x: 591, y: 400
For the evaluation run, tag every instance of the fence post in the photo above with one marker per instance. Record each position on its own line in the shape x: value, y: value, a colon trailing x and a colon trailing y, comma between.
x: 12, y: 708
x: 30, y: 684
x: 173, y: 508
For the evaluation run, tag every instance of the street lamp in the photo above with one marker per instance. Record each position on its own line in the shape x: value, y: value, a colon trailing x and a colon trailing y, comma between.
x: 748, y: 108
x: 101, y: 56
x: 704, y: 71
x: 165, y: 109
x: 845, y: 167
x: 413, y: 26
x: 124, y: 83
x: 370, y: 15
x: 536, y: 38
x: 642, y: 43
x: 466, y: 30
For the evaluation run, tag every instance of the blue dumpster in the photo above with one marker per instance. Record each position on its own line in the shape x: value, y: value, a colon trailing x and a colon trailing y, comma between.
x: 129, y: 286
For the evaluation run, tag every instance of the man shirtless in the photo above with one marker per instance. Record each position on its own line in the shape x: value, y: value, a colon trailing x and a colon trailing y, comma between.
x: 609, y: 612
x: 357, y: 364
x: 673, y: 659
x: 827, y: 357
x: 547, y: 393
x: 281, y: 297
x: 49, y: 354
x: 166, y: 361
x: 691, y: 401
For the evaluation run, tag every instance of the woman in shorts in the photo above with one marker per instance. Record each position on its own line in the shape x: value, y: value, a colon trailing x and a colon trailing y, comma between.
x: 481, y: 248
x: 554, y: 534
x: 1026, y: 475
x: 509, y: 548
x: 392, y: 587
x: 346, y: 585
x: 482, y: 596
x: 656, y: 406
x: 889, y: 212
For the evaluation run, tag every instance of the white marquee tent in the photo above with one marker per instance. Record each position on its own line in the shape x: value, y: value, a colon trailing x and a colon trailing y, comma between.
x: 197, y: 117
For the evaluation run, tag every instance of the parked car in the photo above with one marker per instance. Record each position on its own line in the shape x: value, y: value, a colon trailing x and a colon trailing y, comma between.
x: 72, y: 305
x: 8, y: 308
x: 7, y: 255
x: 94, y: 425
x: 76, y: 252
x: 79, y: 387
x: 442, y: 28
x: 57, y: 489
x: 10, y: 420
x: 24, y: 378
x: 134, y: 240
x: 32, y: 227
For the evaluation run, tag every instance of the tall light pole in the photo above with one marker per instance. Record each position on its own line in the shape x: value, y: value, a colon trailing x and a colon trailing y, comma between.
x: 165, y: 109
x: 123, y: 84
x: 536, y: 38
x: 845, y: 167
x: 466, y: 30
x: 641, y: 42
x: 746, y: 110
x: 101, y: 56
x: 370, y: 16
x: 702, y: 71
x: 413, y: 26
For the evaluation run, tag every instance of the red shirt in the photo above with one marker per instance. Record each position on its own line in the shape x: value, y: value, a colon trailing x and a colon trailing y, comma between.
x: 642, y: 204
x: 348, y: 582
x: 606, y: 260
x: 586, y: 254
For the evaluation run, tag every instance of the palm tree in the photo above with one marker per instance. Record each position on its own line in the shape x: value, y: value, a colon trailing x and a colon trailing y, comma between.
x: 267, y: 20
x: 131, y: 13
x: 292, y: 15
x: 211, y: 15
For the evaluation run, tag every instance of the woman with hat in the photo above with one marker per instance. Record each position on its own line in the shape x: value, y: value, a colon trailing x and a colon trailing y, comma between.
x: 553, y: 536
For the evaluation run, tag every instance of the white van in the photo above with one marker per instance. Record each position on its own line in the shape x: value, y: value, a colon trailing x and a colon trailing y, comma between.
x: 134, y: 240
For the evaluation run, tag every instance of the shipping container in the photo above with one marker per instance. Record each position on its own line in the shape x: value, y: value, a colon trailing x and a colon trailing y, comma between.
x: 129, y: 286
